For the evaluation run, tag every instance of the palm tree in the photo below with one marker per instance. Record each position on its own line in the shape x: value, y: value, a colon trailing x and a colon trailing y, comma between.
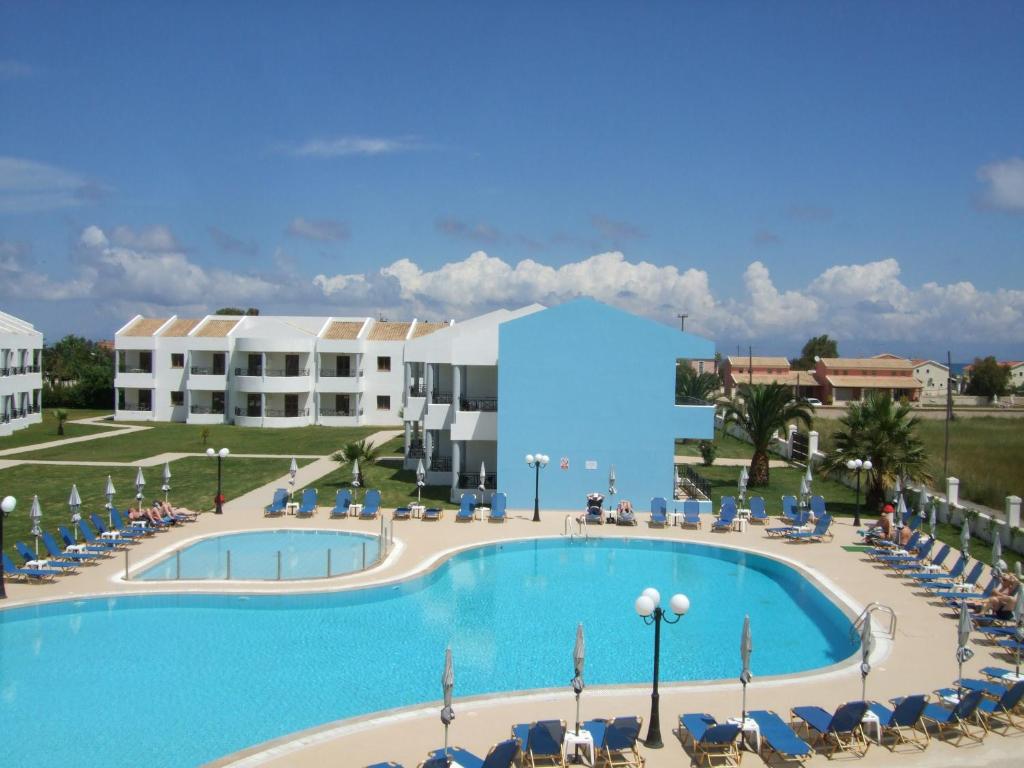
x: 884, y: 431
x: 693, y: 385
x: 62, y: 416
x: 761, y: 410
x: 362, y: 451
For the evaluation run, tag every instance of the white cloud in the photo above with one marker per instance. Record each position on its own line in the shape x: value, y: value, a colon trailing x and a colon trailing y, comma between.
x: 770, y: 308
x: 321, y: 230
x: 27, y: 186
x: 156, y: 238
x: 350, y: 286
x: 1004, y: 184
x: 341, y: 146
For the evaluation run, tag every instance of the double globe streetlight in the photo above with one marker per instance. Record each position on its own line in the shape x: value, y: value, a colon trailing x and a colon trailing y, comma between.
x: 649, y: 608
x: 858, y: 465
x: 536, y: 461
x: 221, y: 455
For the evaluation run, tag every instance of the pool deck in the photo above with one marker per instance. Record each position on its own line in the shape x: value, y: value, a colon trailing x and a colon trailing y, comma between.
x: 920, y: 659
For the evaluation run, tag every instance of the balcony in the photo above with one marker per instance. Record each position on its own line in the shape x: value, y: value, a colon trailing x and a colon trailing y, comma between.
x: 208, y: 409
x: 281, y: 413
x: 350, y: 413
x: 472, y: 480
x: 286, y: 372
x: 251, y: 413
x: 202, y: 370
x: 129, y: 369
x: 441, y: 464
x: 441, y: 398
x: 415, y: 451
x: 339, y: 373
x: 135, y: 407
x: 257, y: 371
x: 487, y: 404
x: 418, y: 390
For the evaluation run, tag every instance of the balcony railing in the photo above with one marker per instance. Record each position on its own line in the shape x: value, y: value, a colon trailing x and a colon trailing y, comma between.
x: 336, y: 412
x: 441, y: 464
x: 418, y: 390
x: 250, y: 412
x: 698, y: 481
x: 478, y: 403
x: 416, y: 451
x: 208, y: 409
x: 135, y: 407
x: 282, y: 413
x: 129, y: 369
x: 5, y: 371
x: 290, y: 372
x: 441, y: 398
x: 248, y: 371
x: 339, y: 373
x: 205, y: 370
x: 472, y: 480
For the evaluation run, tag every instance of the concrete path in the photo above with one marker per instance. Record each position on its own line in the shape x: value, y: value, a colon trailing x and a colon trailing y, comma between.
x: 721, y: 462
x: 115, y: 430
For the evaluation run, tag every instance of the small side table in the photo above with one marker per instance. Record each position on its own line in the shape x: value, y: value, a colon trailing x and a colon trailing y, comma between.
x: 291, y: 507
x: 749, y: 730
x: 417, y: 509
x: 583, y: 739
x: 355, y: 509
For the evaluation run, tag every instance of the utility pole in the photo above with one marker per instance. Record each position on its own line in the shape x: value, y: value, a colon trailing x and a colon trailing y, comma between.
x: 682, y: 321
x: 750, y: 366
x: 949, y: 412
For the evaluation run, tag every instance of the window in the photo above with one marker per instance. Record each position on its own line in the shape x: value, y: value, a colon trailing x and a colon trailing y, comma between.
x: 177, y: 360
x: 384, y: 364
x: 177, y: 398
x: 384, y: 402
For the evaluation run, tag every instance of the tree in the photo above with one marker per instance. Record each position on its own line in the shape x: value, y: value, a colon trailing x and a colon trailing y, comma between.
x: 816, y: 346
x: 237, y: 311
x: 697, y: 386
x: 361, y: 451
x: 78, y: 373
x: 885, y: 432
x: 988, y: 378
x: 62, y: 416
x: 761, y: 410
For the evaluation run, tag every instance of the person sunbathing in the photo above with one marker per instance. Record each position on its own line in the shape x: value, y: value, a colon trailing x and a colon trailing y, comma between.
x: 624, y: 512
x: 1000, y: 602
x: 883, y: 528
x: 181, y: 513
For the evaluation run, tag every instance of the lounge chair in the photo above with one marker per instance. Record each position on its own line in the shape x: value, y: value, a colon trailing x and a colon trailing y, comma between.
x: 540, y: 742
x: 820, y: 531
x: 498, y: 503
x: 371, y: 505
x: 626, y: 516
x: 892, y: 550
x: 432, y: 514
x: 691, y: 513
x: 726, y: 516
x: 128, y: 535
x: 466, y: 504
x: 594, y: 516
x: 342, y: 500
x: 954, y: 598
x: 907, y: 556
x: 936, y: 561
x: 64, y: 566
x: 713, y: 742
x: 1005, y: 707
x: 902, y: 721
x: 103, y: 550
x: 28, y: 574
x: 54, y: 551
x: 617, y: 743
x: 402, y: 513
x: 501, y: 755
x: 949, y: 580
x: 958, y: 718
x: 940, y: 576
x: 796, y: 523
x: 135, y: 525
x: 90, y: 537
x: 278, y: 505
x: 758, y: 514
x: 659, y: 512
x: 778, y: 738
x: 385, y: 765
x: 790, y: 510
x: 307, y: 506
x: 817, y: 506
x: 838, y: 732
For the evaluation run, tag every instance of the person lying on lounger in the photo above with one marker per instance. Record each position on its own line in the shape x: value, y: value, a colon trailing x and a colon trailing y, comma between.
x: 1000, y: 602
x: 174, y: 512
x: 883, y: 528
x: 624, y: 512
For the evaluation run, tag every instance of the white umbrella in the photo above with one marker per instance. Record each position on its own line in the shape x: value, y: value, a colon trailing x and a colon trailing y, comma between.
x: 35, y: 514
x: 746, y: 648
x: 965, y: 536
x: 997, y: 547
x: 805, y: 490
x: 140, y: 483
x: 75, y: 505
x: 166, y: 488
x: 963, y: 637
x: 421, y: 478
x: 807, y: 474
x: 355, y: 475
x: 933, y: 519
x: 578, y: 655
x: 109, y: 493
x: 1018, y: 619
x: 611, y: 481
x: 922, y: 501
x: 293, y: 469
x: 483, y: 480
x: 901, y: 509
x: 447, y: 684
x: 867, y: 645
x: 897, y: 489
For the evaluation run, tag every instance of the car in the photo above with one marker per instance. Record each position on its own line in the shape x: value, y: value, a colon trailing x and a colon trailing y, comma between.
x: 813, y: 401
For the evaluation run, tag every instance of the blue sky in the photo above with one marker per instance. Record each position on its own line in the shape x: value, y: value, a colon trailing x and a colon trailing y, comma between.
x: 774, y: 170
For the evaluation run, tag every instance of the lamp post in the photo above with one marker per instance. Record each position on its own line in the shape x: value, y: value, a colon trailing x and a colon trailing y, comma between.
x: 647, y: 606
x: 221, y: 455
x: 536, y: 461
x: 856, y: 465
x: 6, y: 506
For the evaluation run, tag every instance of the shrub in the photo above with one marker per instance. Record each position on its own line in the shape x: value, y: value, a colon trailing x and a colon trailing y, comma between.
x: 707, y: 452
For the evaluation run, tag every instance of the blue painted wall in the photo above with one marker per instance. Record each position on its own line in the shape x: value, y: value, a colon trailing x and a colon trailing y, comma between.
x: 591, y: 383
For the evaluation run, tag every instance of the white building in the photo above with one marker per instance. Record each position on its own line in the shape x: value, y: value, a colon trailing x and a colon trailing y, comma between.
x: 21, y: 381
x: 1016, y: 375
x: 263, y: 371
x: 934, y: 377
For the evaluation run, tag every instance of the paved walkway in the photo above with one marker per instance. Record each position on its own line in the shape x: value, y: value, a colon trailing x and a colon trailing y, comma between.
x: 721, y: 462
x: 115, y: 430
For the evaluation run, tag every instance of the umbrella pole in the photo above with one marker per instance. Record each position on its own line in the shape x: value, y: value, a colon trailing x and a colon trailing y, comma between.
x: 744, y: 702
x: 577, y: 714
x: 446, y: 742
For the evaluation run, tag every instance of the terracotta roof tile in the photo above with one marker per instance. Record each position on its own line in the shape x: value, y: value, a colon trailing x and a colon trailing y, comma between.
x: 180, y: 327
x: 145, y: 326
x: 216, y: 328
x: 343, y: 330
x: 422, y: 329
x: 382, y: 331
x: 868, y: 363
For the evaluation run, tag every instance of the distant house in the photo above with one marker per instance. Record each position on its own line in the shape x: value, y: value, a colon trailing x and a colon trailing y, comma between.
x: 851, y: 379
x: 21, y: 383
x: 765, y: 370
x: 1016, y: 368
x: 933, y: 376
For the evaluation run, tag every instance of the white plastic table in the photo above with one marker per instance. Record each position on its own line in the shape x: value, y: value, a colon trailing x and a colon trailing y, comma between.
x: 870, y: 719
x: 417, y: 509
x: 355, y: 509
x: 749, y: 730
x: 582, y: 739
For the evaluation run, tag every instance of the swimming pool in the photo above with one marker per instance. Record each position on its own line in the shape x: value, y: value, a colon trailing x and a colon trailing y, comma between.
x: 267, y: 555
x: 181, y: 679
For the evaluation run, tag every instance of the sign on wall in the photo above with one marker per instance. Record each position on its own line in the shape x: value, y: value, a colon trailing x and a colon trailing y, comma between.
x: 564, y: 463
x: 590, y: 464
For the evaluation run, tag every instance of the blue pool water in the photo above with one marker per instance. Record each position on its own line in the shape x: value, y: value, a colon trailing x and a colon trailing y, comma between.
x: 177, y: 680
x: 254, y: 555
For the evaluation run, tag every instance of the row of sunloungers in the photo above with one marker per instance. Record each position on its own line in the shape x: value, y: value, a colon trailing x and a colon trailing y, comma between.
x: 541, y: 744
x: 793, y: 526
x: 99, y: 541
x: 371, y: 506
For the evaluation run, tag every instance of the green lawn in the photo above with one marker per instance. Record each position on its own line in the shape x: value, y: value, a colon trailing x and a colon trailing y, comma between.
x: 986, y: 454
x: 397, y: 486
x: 193, y: 485
x: 163, y: 437
x: 728, y: 447
x: 46, y: 430
x: 839, y: 499
x: 394, y: 447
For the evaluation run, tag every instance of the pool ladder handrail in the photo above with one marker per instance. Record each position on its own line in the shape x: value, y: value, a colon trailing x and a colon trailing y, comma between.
x: 581, y: 527
x: 871, y: 609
